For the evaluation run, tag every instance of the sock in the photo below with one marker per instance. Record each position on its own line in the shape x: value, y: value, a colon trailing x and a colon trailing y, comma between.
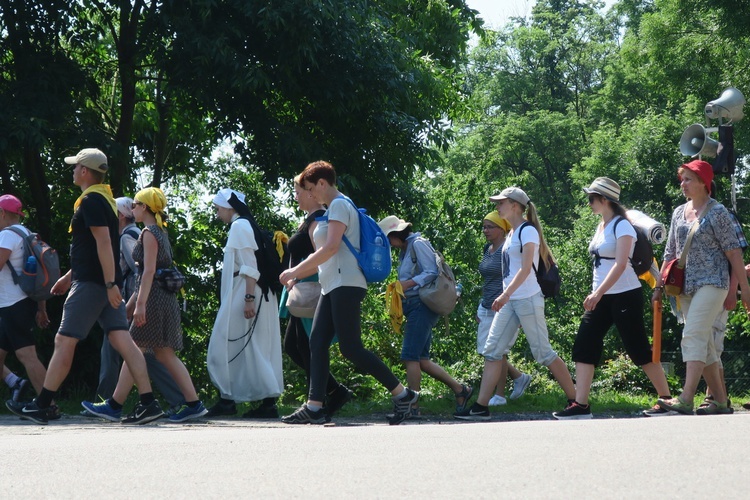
x: 44, y: 399
x: 314, y: 407
x: 114, y: 404
x: 402, y: 394
x: 147, y: 398
x: 12, y: 379
x: 193, y: 404
x: 481, y: 406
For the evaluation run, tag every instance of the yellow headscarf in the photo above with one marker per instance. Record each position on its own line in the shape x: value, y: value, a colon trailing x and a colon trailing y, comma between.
x: 495, y: 218
x: 156, y: 201
x: 280, y: 239
x: 102, y: 189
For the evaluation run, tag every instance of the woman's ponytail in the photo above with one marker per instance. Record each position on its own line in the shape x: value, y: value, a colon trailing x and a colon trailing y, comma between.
x: 544, y: 252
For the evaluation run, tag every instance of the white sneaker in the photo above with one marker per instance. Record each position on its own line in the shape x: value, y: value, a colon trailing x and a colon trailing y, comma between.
x: 497, y: 400
x: 519, y: 385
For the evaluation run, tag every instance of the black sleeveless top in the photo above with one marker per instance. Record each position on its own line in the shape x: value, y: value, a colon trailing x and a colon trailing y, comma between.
x: 300, y: 245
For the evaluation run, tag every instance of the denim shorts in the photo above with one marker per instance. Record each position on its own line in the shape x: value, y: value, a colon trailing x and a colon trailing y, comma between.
x: 485, y: 317
x: 87, y: 303
x: 528, y: 313
x: 420, y: 320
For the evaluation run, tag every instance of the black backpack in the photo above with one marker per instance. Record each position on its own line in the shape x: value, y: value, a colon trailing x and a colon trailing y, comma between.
x: 643, y: 253
x: 270, y: 264
x: 548, y: 279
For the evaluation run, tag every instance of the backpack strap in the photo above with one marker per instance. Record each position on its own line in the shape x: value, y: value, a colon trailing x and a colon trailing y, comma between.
x: 596, y: 255
x: 343, y: 236
x: 132, y: 233
x: 520, y: 229
x: 16, y: 228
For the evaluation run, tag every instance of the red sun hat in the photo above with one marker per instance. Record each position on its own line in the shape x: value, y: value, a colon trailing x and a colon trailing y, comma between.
x: 702, y: 169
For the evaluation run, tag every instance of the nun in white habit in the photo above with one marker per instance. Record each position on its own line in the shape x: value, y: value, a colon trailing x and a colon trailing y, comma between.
x: 244, y: 352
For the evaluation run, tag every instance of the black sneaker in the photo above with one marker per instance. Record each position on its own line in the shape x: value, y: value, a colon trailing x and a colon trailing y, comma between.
x: 574, y: 411
x: 402, y: 407
x: 29, y: 411
x: 476, y: 412
x: 263, y: 412
x: 222, y: 409
x: 143, y: 414
x: 305, y: 415
x: 337, y: 399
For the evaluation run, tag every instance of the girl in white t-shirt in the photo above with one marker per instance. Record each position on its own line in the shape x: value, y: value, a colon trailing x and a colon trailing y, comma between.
x: 520, y: 304
x: 616, y: 298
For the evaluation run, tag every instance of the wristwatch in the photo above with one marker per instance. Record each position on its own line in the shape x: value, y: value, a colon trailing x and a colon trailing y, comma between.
x: 110, y: 284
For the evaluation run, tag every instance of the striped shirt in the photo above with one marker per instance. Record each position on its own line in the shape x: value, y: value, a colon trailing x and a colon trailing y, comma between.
x: 491, y: 269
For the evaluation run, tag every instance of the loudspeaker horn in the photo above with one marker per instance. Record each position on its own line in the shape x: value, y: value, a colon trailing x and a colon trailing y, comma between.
x: 695, y: 141
x: 728, y: 105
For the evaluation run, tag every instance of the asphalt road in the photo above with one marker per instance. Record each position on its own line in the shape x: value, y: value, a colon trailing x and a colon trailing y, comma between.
x: 668, y: 457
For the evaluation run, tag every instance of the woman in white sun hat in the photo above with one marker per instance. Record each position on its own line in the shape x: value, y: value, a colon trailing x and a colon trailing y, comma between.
x: 616, y: 299
x: 417, y: 268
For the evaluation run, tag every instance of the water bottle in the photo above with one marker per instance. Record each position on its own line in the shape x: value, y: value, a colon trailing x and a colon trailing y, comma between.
x: 459, y: 291
x: 30, y: 267
x: 377, y: 257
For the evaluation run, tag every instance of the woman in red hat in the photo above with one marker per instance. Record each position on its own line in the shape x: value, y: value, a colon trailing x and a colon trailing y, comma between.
x: 714, y: 246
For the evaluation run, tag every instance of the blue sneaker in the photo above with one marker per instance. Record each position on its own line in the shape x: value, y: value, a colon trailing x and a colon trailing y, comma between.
x: 186, y: 413
x: 103, y: 410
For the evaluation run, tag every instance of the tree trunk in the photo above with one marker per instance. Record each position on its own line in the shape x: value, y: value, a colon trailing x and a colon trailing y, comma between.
x: 35, y: 176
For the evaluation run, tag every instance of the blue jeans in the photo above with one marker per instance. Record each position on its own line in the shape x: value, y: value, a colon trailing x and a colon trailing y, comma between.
x: 420, y: 320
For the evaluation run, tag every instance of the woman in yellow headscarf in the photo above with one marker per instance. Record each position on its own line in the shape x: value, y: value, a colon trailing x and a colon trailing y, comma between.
x: 495, y: 228
x: 155, y: 311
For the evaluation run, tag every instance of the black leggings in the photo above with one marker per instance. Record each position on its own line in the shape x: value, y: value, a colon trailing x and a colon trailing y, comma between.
x: 339, y: 313
x: 625, y: 311
x: 297, y: 347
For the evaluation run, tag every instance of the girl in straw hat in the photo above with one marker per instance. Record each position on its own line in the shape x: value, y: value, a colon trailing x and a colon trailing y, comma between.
x: 616, y: 298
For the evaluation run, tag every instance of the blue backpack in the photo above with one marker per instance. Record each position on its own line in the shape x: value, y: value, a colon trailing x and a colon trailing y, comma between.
x: 374, y: 255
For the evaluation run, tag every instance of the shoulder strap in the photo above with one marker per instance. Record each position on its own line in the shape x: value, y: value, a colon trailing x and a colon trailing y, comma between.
x: 26, y: 247
x: 414, y: 252
x: 132, y: 233
x: 520, y: 228
x: 16, y: 228
x: 343, y: 236
x: 614, y: 229
x: 683, y: 255
x: 693, y: 229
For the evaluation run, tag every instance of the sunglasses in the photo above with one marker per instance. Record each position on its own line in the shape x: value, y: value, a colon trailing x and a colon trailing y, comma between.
x: 592, y: 197
x: 137, y: 204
